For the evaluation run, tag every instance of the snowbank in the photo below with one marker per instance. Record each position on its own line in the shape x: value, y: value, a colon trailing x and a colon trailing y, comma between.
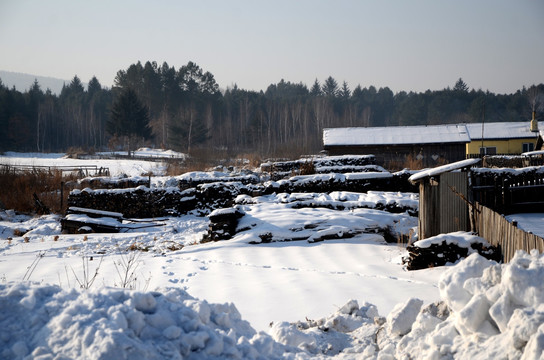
x: 46, y: 322
x: 487, y: 311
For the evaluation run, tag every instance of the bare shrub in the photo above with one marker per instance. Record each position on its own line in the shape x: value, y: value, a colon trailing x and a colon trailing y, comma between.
x: 126, y: 270
x: 138, y: 247
x: 21, y: 187
x: 175, y: 168
x: 75, y: 152
x: 86, y: 280
x: 413, y: 163
x: 32, y: 267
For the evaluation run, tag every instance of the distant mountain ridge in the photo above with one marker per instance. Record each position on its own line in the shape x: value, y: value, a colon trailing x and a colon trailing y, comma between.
x: 23, y: 82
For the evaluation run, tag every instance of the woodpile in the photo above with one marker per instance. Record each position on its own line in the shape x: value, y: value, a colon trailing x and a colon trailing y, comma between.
x: 281, y: 169
x: 140, y: 202
x: 187, y: 183
x: 223, y: 223
x: 339, y: 182
x: 443, y: 253
x: 145, y: 202
x: 502, y: 161
x: 118, y: 182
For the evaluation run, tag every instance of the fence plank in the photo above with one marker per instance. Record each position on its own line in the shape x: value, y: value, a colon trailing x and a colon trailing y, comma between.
x: 500, y: 232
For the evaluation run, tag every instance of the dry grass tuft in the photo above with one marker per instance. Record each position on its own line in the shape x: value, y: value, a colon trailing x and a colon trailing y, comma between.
x: 18, y: 232
x: 138, y: 247
x: 20, y: 187
x: 413, y: 163
x: 307, y: 168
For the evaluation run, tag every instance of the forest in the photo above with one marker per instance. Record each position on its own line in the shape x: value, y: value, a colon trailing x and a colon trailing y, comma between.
x: 184, y: 109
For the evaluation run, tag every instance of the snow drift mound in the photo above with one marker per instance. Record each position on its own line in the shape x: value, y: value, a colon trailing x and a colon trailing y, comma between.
x: 41, y: 321
x: 488, y: 311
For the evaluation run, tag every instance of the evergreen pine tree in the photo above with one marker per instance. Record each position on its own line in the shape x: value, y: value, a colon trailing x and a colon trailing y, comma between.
x: 129, y: 117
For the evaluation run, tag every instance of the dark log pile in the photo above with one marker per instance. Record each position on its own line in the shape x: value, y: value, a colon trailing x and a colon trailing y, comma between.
x: 502, y: 161
x: 338, y: 182
x: 145, y: 202
x: 140, y: 202
x: 443, y: 253
x: 118, y: 182
x: 223, y: 223
x: 188, y: 182
x: 220, y: 195
x: 281, y: 169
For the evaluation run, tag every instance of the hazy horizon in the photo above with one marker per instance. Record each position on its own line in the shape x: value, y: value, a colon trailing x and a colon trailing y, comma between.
x: 493, y: 45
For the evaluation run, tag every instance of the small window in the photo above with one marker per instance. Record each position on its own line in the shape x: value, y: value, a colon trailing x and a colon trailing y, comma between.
x: 488, y: 150
x: 528, y: 147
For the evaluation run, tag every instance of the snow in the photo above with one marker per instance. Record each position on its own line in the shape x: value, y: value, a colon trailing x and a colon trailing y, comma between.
x: 76, y: 209
x: 462, y: 239
x: 116, y: 167
x: 531, y: 153
x: 501, y: 130
x: 511, y: 171
x: 436, y: 134
x: 149, y: 153
x: 442, y: 169
x: 344, y: 298
x: 530, y: 222
x: 396, y: 135
x: 486, y: 310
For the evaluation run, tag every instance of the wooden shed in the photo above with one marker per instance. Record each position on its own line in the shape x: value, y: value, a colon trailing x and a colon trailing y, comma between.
x: 443, y: 198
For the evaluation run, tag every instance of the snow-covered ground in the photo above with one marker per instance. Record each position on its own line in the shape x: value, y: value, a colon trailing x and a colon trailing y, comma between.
x: 344, y: 298
x: 531, y: 222
x: 116, y: 167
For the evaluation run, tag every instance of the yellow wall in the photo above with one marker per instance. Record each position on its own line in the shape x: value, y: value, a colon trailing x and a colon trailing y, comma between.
x: 512, y: 146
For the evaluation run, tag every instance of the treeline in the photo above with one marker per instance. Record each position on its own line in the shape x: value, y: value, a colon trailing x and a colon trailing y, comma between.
x: 187, y: 111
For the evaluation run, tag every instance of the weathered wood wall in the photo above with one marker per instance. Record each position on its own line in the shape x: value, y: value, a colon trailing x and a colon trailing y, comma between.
x: 441, y: 207
x: 433, y: 154
x: 500, y: 232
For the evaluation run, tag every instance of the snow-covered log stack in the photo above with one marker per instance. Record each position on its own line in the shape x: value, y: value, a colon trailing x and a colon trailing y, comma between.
x: 223, y: 223
x: 140, y: 202
x: 345, y: 163
x: 447, y: 248
x: 503, y: 161
x: 143, y: 202
x: 115, y: 182
x: 194, y: 179
x: 355, y: 182
x: 219, y: 195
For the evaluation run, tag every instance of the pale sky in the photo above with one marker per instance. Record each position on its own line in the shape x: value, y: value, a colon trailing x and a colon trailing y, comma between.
x: 495, y: 45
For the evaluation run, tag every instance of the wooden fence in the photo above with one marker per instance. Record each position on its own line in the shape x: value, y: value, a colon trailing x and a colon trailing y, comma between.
x: 80, y: 170
x: 500, y: 232
x: 509, y: 192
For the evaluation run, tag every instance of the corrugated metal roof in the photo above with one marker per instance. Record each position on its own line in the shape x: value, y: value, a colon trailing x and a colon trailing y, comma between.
x: 396, y: 135
x: 502, y: 130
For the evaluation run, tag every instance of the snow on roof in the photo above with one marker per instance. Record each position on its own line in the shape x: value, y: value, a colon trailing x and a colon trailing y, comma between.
x: 462, y: 239
x: 442, y: 169
x: 395, y: 135
x: 531, y: 153
x: 501, y: 130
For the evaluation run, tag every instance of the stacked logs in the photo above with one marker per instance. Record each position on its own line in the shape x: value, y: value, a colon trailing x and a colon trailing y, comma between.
x: 140, y: 202
x: 444, y: 253
x: 223, y: 223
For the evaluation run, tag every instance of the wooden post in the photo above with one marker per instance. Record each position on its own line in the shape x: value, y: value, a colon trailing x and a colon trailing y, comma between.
x: 61, y: 195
